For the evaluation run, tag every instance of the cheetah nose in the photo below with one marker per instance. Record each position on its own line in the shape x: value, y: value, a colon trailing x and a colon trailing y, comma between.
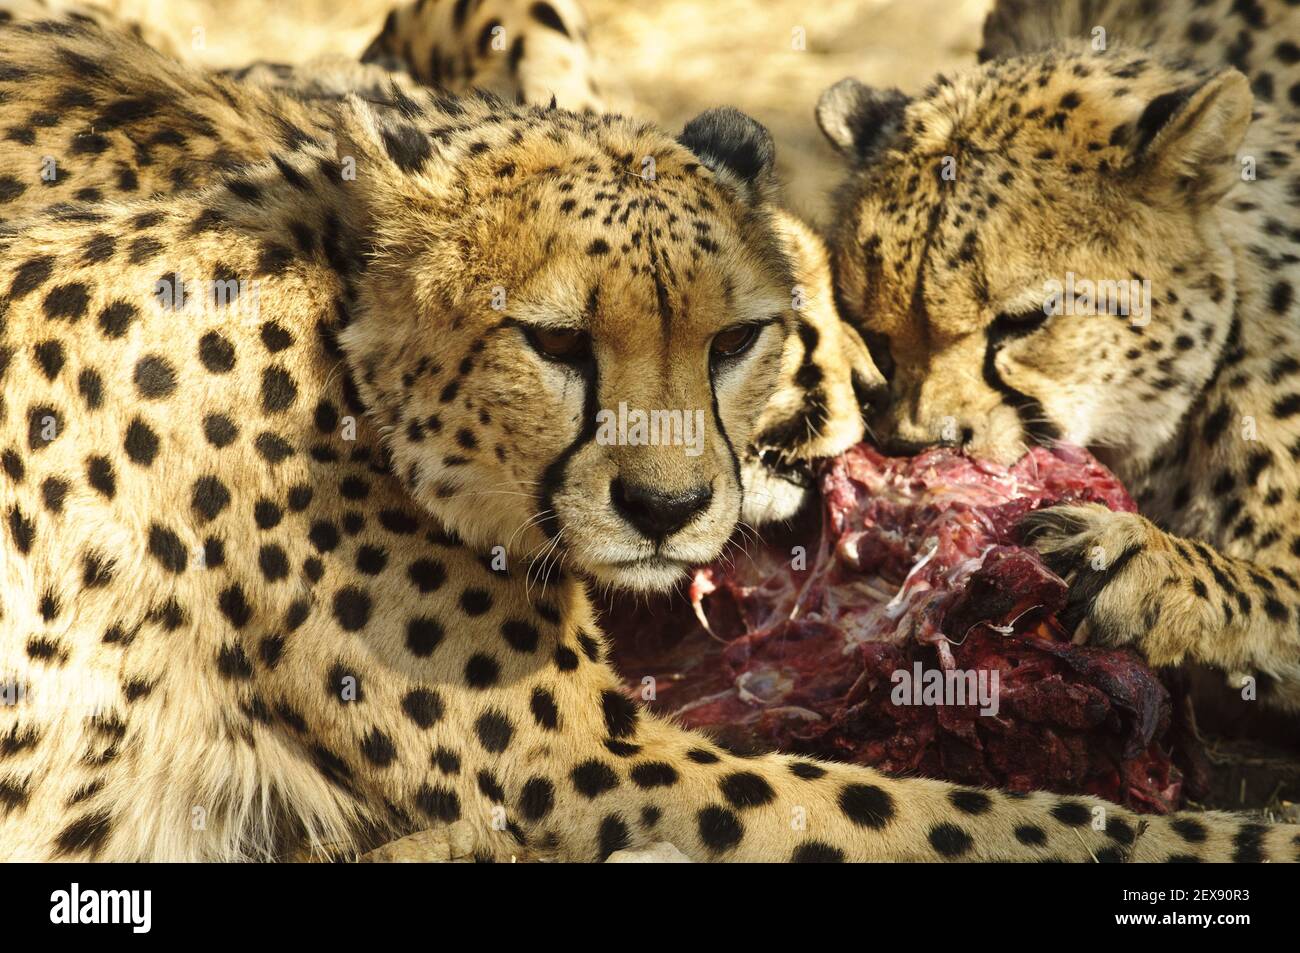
x: 654, y: 513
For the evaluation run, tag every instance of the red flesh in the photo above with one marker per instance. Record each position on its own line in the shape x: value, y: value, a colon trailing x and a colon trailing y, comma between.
x: 803, y: 660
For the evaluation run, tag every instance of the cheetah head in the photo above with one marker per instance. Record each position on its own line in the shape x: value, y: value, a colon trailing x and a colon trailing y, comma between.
x: 979, y: 216
x: 570, y: 328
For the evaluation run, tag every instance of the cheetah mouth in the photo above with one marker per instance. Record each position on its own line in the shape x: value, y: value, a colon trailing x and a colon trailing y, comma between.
x: 653, y: 562
x: 800, y: 473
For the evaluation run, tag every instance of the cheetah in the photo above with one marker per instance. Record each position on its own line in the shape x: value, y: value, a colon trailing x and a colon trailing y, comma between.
x: 265, y: 439
x: 1104, y: 145
x: 530, y: 51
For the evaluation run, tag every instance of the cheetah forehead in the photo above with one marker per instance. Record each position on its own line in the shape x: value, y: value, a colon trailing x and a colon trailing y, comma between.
x: 1070, y: 97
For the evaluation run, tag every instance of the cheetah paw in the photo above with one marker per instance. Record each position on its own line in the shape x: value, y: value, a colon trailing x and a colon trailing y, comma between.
x: 1127, y: 586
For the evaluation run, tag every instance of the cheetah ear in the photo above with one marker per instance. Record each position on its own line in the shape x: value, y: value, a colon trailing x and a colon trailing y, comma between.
x: 857, y: 119
x: 733, y: 145
x: 1186, y: 141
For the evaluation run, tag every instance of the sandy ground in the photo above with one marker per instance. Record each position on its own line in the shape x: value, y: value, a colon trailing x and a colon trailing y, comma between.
x: 664, y: 59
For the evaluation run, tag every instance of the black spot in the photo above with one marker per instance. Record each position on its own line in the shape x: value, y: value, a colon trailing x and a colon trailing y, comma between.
x: 13, y: 466
x: 536, y: 799
x: 655, y: 774
x: 273, y: 449
x: 475, y: 602
x: 438, y: 803
x: 427, y: 575
x: 720, y: 829
x: 807, y: 771
x: 546, y: 15
x: 44, y: 426
x: 209, y: 498
x: 746, y: 789
x: 219, y: 430
x: 590, y: 647
x: 1119, y: 830
x: 423, y: 635
x: 594, y: 778
x: 88, y: 833
x: 141, y: 443
x: 950, y: 840
x: 278, y: 390
x: 66, y: 302
x: 520, y: 636
x: 234, y: 606
x: 445, y: 760
x: 702, y: 756
x: 30, y: 275
x: 423, y: 706
x: 91, y: 388
x: 53, y: 493
x: 614, y: 836
x: 408, y: 147
x: 1072, y: 813
x: 371, y: 560
x: 273, y: 562
x: 566, y: 660
x: 1280, y: 297
x: 352, y: 608
x: 267, y: 514
x: 620, y: 714
x: 216, y: 353
x: 867, y: 805
x: 1249, y: 844
x: 544, y: 709
x: 1189, y: 829
x: 50, y: 356
x: 378, y: 748
x: 116, y: 319
x: 816, y: 852
x: 1031, y: 835
x: 166, y: 547
x: 970, y: 802
x: 232, y: 663
x: 101, y: 476
x: 490, y: 787
x: 481, y: 671
x: 494, y: 731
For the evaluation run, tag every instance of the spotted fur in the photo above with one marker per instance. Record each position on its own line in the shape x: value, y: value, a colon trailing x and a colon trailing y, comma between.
x: 249, y: 608
x: 1130, y: 162
x: 531, y: 51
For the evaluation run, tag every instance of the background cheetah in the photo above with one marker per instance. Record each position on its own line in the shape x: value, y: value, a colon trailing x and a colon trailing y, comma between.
x: 218, y: 530
x: 1082, y: 152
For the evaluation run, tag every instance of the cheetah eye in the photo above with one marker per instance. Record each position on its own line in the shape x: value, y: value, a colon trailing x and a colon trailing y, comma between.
x: 733, y: 342
x: 1020, y: 322
x: 881, y: 355
x: 567, y: 345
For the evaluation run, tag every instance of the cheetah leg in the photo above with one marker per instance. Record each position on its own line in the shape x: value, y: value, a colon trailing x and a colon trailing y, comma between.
x: 1177, y: 600
x: 667, y: 784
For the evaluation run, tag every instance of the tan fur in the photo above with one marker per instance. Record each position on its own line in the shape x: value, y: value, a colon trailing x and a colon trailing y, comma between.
x: 233, y: 633
x: 1112, y: 164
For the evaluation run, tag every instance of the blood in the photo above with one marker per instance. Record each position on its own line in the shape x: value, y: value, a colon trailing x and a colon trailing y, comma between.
x: 812, y: 644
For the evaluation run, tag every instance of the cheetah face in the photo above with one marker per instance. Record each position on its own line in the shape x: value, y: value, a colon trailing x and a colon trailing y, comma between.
x: 1032, y: 250
x: 570, y: 356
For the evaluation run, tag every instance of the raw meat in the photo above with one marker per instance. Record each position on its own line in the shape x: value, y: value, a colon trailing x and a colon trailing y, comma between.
x: 856, y: 639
